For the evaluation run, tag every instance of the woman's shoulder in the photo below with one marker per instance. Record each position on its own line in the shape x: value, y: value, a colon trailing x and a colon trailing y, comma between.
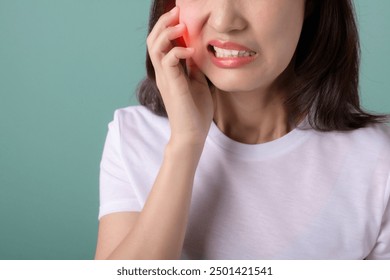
x: 375, y: 132
x: 375, y: 137
x: 138, y: 120
x: 137, y: 113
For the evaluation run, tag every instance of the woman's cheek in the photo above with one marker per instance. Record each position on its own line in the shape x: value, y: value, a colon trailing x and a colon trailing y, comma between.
x: 190, y: 21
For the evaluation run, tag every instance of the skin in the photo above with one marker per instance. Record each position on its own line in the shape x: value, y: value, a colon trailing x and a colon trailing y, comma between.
x: 248, y: 100
x: 247, y: 105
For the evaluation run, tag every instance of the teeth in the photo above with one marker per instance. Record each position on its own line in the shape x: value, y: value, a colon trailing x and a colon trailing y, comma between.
x: 231, y: 53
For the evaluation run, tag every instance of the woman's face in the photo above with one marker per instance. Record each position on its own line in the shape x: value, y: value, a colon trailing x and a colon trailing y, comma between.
x: 242, y: 45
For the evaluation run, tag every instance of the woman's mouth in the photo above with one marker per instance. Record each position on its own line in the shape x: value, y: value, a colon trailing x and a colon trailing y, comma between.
x: 230, y: 55
x: 226, y: 53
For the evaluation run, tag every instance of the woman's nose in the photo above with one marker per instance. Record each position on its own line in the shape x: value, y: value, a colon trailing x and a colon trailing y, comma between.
x: 225, y: 16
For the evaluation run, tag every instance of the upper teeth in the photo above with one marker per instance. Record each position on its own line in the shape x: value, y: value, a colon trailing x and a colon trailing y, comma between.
x: 231, y: 53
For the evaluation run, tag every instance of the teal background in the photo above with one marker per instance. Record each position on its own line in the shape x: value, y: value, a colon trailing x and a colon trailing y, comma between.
x: 65, y: 66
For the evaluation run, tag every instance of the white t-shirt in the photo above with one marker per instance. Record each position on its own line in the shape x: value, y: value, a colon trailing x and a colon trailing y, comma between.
x: 307, y: 195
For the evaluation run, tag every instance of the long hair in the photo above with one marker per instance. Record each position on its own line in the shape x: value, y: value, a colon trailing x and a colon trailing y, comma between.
x: 326, y: 66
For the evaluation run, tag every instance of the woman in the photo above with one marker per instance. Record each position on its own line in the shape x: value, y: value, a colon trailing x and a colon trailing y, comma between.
x: 251, y: 143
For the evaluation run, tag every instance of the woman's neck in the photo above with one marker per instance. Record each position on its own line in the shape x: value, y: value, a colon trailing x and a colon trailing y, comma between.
x: 251, y: 117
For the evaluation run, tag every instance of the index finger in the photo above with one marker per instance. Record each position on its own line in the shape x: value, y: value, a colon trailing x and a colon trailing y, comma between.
x: 168, y: 19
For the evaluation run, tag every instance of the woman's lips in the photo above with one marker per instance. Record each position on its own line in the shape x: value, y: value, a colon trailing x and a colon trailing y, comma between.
x: 230, y: 55
x: 228, y: 45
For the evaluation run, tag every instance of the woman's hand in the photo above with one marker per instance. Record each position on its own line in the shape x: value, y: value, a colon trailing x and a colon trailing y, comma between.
x: 187, y: 98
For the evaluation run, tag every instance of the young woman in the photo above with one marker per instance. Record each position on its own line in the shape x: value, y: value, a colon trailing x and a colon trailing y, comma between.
x: 250, y: 142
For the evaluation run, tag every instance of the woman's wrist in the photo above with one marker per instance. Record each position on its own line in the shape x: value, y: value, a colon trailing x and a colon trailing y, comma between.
x: 184, y: 149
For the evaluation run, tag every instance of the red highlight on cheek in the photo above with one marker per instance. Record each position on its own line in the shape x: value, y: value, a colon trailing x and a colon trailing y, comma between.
x: 180, y: 42
x: 184, y: 40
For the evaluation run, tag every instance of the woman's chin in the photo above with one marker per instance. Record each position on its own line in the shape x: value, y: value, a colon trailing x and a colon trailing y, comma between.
x: 233, y: 85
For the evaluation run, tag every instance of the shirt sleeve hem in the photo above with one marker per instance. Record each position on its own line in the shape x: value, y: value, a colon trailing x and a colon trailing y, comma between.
x: 119, y: 206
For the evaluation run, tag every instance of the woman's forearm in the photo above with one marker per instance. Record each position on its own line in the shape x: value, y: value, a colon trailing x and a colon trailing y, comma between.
x: 160, y: 228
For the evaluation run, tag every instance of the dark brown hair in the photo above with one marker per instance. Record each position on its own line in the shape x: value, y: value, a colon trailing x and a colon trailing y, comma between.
x: 326, y: 66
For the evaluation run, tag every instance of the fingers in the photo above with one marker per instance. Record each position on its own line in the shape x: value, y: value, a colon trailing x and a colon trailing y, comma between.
x: 180, y: 94
x: 173, y: 58
x: 160, y: 40
x: 171, y: 67
x: 169, y: 19
x: 164, y: 55
x: 165, y: 30
x: 164, y: 41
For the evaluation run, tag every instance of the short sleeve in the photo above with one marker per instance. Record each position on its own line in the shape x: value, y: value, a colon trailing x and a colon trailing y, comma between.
x: 381, y: 250
x: 115, y: 191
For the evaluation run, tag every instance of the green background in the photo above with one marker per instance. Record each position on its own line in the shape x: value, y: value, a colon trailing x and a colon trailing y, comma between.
x: 65, y: 66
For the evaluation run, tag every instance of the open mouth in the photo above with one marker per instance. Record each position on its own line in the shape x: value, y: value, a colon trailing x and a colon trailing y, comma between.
x: 225, y: 53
